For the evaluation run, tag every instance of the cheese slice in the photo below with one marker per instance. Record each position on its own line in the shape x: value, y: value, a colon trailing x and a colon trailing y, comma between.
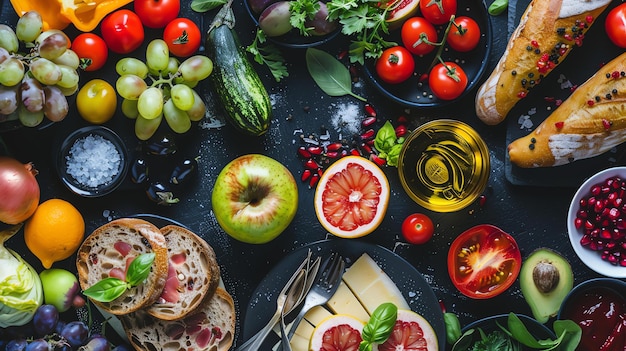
x: 304, y: 329
x: 317, y: 314
x: 344, y: 302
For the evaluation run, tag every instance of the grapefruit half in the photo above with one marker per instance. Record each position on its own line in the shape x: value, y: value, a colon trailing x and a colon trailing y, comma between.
x: 410, y: 333
x: 337, y: 333
x: 351, y: 197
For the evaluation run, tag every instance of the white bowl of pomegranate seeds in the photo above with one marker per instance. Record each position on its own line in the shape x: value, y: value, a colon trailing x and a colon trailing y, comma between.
x: 596, y: 222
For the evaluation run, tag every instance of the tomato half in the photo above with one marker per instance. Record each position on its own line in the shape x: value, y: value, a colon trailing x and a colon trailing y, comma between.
x: 447, y: 80
x: 417, y: 228
x: 395, y: 65
x: 464, y: 34
x: 182, y: 37
x: 615, y: 25
x: 122, y: 31
x: 483, y: 261
x: 438, y: 11
x: 157, y: 13
x: 418, y: 35
x: 92, y: 51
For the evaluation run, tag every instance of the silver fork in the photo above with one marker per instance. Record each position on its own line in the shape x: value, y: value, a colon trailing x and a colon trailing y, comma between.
x: 323, y: 289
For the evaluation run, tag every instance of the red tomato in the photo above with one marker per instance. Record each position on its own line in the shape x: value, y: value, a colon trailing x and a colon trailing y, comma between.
x: 483, y: 261
x: 157, y: 13
x: 182, y: 37
x: 464, y: 34
x: 418, y: 35
x: 122, y: 31
x: 92, y: 51
x: 447, y: 80
x: 438, y: 11
x: 417, y: 228
x: 395, y: 65
x: 615, y: 25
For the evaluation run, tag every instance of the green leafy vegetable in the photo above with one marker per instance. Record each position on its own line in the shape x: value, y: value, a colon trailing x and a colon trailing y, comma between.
x: 302, y: 11
x: 387, y: 144
x: 21, y: 292
x: 206, y: 5
x: 109, y: 289
x: 568, y: 335
x: 329, y: 74
x: 380, y: 325
x: 267, y: 54
x: 453, y: 327
x: 497, y: 7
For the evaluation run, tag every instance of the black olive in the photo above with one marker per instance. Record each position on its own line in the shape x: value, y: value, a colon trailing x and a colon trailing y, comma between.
x: 163, y: 145
x: 184, y: 170
x: 161, y: 194
x: 139, y: 171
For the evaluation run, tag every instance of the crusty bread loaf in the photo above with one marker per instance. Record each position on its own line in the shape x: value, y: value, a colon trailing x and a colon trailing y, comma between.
x: 210, y: 327
x: 590, y: 122
x: 193, y: 274
x: 547, y: 32
x: 108, y: 251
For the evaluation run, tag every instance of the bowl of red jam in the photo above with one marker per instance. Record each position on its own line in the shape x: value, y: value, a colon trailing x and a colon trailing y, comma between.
x: 598, y: 306
x: 596, y: 222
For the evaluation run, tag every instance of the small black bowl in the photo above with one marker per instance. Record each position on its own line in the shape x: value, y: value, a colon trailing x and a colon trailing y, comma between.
x: 490, y: 324
x: 119, y: 157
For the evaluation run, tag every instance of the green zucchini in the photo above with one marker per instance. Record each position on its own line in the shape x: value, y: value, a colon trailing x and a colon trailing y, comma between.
x: 236, y: 83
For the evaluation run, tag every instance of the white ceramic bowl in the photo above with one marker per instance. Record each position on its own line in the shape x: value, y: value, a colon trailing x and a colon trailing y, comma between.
x: 589, y: 257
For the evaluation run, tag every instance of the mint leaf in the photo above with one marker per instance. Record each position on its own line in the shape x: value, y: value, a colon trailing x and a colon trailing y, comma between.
x: 106, y: 290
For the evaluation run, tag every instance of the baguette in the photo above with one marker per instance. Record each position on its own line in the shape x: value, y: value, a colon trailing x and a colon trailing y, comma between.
x: 547, y: 32
x: 193, y: 274
x: 108, y: 250
x: 211, y: 327
x: 590, y: 122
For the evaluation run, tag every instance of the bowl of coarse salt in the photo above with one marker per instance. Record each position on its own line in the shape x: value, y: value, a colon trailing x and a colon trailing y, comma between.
x: 92, y: 161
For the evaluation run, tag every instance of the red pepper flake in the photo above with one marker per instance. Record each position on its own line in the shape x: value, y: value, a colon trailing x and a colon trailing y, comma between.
x: 589, y: 19
x: 369, y: 110
x: 559, y: 125
x: 615, y: 74
x: 558, y: 102
x: 549, y: 99
x: 306, y: 174
x: 423, y: 77
x: 606, y: 123
x: 567, y: 37
x: 573, y: 87
x: 591, y: 102
x: 522, y: 94
x: 534, y: 43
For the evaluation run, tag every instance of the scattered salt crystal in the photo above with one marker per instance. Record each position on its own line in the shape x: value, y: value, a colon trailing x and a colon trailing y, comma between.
x: 93, y: 161
x: 347, y: 118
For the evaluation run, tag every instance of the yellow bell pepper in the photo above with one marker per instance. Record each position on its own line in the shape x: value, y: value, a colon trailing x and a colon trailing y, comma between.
x: 87, y: 14
x: 49, y: 11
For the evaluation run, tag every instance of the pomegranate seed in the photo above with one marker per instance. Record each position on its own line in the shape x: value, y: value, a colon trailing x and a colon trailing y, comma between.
x: 368, y: 134
x: 342, y: 55
x: 377, y: 160
x: 368, y: 121
x: 606, y: 124
x: 334, y: 146
x: 311, y: 164
x: 315, y: 150
x: 355, y: 152
x: 400, y: 130
x: 369, y: 110
x: 402, y: 120
x: 578, y: 222
x: 332, y: 154
x: 482, y: 200
x: 559, y: 125
x: 313, y: 181
x: 306, y: 174
x: 302, y: 152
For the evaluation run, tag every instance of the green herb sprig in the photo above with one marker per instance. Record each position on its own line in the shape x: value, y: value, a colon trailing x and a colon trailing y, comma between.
x: 265, y: 53
x: 109, y: 289
x: 302, y: 11
x: 379, y: 326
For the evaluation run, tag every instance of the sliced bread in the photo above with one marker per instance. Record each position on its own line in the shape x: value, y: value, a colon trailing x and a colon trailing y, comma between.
x: 193, y: 274
x: 210, y: 327
x: 108, y: 251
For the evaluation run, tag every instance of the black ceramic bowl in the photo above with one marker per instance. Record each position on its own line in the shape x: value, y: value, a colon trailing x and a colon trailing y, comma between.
x: 414, y: 93
x: 93, y: 143
x: 490, y: 324
x: 294, y: 39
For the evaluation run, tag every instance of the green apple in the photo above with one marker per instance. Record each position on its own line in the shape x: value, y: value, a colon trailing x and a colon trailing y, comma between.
x: 254, y: 198
x: 59, y: 288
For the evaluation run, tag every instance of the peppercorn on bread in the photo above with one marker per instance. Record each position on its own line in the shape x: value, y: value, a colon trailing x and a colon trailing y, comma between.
x: 590, y: 122
x: 546, y: 34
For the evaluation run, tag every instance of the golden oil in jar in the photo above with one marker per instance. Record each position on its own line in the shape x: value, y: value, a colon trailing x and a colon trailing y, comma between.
x: 444, y: 165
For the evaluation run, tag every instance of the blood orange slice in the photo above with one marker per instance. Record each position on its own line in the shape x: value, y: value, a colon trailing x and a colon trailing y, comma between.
x: 410, y: 333
x: 351, y: 197
x: 337, y: 333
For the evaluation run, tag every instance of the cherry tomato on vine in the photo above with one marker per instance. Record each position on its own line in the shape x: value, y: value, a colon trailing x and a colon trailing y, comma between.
x: 418, y: 35
x: 122, y: 31
x: 438, y: 11
x: 157, y: 13
x: 615, y: 25
x: 182, y: 37
x: 464, y: 34
x: 395, y: 65
x: 92, y: 50
x: 483, y: 261
x: 417, y: 228
x: 447, y: 80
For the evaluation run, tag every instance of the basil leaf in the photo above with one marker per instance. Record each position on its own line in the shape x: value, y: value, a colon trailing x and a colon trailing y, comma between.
x: 465, y: 341
x: 497, y: 7
x: 520, y: 333
x: 379, y: 326
x: 329, y: 73
x: 393, y: 155
x: 385, y: 138
x: 571, y: 333
x: 106, y: 290
x: 206, y: 5
x: 453, y: 325
x: 139, y: 269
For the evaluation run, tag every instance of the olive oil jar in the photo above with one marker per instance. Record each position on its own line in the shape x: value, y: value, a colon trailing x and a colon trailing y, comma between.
x: 444, y: 165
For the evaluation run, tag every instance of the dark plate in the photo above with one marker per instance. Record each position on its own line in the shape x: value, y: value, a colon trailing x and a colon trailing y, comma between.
x: 581, y: 64
x: 417, y: 292
x: 489, y: 324
x: 413, y: 94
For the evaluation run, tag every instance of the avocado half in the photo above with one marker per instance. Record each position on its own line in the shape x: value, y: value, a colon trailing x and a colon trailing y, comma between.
x: 545, y: 280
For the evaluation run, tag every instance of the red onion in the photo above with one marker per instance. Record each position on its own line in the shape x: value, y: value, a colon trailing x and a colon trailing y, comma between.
x: 19, y: 190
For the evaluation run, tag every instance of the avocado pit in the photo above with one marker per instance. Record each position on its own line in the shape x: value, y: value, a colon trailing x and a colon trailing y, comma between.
x: 545, y: 276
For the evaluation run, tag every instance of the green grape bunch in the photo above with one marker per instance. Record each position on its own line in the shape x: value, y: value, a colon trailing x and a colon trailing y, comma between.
x: 161, y: 88
x: 37, y: 72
